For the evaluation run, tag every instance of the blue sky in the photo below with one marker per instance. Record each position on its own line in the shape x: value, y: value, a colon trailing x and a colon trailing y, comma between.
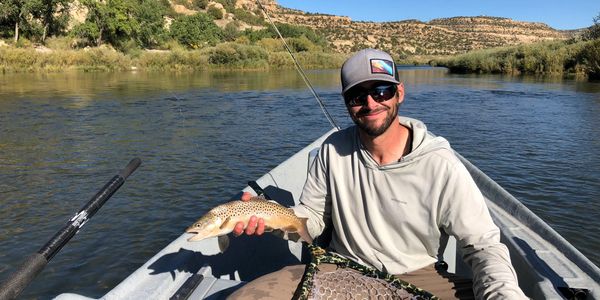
x: 563, y: 14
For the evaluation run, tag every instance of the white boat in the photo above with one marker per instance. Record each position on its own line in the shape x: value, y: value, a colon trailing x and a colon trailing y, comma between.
x: 548, y: 266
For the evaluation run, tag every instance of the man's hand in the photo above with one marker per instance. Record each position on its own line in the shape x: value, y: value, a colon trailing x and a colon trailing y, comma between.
x: 256, y: 226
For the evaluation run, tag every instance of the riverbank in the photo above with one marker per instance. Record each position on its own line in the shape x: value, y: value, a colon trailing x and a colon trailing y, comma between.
x: 105, y: 58
x: 268, y: 54
x: 581, y: 59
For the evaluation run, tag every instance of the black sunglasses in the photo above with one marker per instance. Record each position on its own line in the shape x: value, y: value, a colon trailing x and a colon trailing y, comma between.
x: 358, y: 97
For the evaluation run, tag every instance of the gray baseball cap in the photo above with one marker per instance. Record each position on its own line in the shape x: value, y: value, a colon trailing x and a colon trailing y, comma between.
x: 368, y: 65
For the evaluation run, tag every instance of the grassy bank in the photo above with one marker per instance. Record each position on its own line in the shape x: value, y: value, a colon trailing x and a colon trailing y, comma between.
x: 557, y: 57
x: 222, y: 56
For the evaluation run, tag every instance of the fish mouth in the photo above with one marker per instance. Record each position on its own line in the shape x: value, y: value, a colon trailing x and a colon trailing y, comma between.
x: 195, y: 237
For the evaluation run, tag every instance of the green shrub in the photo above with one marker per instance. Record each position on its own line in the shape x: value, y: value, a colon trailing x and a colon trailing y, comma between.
x: 199, y: 4
x: 229, y: 5
x: 196, y: 31
x: 176, y: 60
x: 271, y: 44
x: 248, y: 17
x: 60, y: 43
x: 215, y: 13
x: 236, y: 55
x: 590, y: 58
x: 554, y: 57
x: 29, y: 60
x: 280, y: 60
x: 231, y: 31
x: 321, y: 60
x: 300, y: 44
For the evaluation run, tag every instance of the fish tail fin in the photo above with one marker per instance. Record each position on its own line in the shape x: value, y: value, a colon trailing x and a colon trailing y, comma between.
x: 303, y: 231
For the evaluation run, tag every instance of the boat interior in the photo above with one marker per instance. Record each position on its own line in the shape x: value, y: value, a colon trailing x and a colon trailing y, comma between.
x: 548, y: 267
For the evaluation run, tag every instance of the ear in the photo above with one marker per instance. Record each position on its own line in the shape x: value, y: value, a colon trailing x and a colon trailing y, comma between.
x: 400, y: 92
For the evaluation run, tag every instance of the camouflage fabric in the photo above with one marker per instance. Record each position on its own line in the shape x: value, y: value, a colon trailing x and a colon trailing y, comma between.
x: 366, y: 283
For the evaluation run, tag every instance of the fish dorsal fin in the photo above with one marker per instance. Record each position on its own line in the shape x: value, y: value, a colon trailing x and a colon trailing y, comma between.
x: 257, y: 198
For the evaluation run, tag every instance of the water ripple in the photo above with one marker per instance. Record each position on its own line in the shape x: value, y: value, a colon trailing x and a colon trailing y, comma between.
x: 202, y: 137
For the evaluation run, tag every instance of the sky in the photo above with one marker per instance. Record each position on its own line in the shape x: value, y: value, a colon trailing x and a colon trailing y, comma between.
x: 558, y: 14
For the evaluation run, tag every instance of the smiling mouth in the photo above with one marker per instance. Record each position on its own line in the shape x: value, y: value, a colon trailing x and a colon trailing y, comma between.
x: 370, y: 112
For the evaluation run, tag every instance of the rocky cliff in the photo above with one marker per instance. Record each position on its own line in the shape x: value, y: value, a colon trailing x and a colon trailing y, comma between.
x: 413, y: 37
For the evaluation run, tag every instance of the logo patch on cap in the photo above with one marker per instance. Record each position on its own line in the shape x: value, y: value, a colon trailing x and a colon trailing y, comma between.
x: 382, y: 66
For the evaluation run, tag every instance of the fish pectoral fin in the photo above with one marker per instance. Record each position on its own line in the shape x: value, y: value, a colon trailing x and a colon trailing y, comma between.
x: 224, y: 224
x: 269, y: 228
x: 303, y: 231
x: 223, y: 241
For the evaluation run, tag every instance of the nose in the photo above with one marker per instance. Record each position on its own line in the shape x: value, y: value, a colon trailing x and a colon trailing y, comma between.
x: 371, y: 103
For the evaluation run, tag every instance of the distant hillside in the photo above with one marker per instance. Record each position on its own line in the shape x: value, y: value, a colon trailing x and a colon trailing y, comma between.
x: 412, y: 37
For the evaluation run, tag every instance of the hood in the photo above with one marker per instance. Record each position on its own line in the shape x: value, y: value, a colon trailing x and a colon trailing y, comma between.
x: 423, y: 142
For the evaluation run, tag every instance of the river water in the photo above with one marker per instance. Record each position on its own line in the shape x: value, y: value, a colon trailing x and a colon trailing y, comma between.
x: 201, y: 137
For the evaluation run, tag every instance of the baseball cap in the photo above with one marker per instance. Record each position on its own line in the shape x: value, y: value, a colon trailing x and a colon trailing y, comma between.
x: 368, y: 65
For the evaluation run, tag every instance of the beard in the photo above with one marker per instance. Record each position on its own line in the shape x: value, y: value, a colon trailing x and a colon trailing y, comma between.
x: 373, y: 130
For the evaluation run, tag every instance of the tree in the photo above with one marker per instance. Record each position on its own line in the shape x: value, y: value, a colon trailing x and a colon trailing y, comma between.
x: 593, y: 32
x: 196, y: 31
x: 150, y: 14
x: 111, y: 21
x: 590, y: 57
x: 16, y: 12
x: 55, y: 15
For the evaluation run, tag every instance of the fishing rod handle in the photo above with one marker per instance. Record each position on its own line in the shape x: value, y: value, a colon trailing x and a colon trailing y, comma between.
x: 63, y: 236
x: 35, y: 263
x: 27, y: 271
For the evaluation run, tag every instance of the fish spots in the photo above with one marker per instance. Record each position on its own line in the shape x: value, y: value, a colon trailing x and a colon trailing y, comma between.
x: 221, y: 220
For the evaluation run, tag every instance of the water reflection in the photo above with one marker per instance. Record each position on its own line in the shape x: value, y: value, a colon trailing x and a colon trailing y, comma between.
x: 83, y: 86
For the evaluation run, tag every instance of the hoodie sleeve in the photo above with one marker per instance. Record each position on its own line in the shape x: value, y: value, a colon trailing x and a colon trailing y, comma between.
x: 315, y: 200
x: 466, y: 216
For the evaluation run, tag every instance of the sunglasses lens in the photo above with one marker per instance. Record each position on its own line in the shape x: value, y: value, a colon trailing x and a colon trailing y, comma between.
x: 379, y: 93
x: 356, y: 99
x: 383, y: 93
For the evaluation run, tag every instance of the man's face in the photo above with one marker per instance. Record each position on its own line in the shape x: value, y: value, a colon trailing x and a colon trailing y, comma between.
x: 368, y: 108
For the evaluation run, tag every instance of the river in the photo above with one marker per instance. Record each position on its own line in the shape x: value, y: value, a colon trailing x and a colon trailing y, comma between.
x: 201, y: 137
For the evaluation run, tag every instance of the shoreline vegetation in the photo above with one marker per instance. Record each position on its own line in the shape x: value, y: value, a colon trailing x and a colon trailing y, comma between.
x: 267, y: 54
x: 150, y: 35
x: 228, y: 55
x: 579, y: 59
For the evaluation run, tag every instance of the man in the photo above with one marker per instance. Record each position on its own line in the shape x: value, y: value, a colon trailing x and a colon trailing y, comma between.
x: 391, y: 192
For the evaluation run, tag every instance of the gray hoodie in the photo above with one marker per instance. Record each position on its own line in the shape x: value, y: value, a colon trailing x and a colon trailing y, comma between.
x: 394, y: 217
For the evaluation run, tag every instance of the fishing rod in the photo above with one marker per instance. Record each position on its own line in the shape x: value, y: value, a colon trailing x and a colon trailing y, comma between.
x: 35, y: 263
x: 300, y: 70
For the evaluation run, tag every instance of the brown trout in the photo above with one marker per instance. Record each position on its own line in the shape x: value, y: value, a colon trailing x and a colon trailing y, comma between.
x: 221, y: 220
